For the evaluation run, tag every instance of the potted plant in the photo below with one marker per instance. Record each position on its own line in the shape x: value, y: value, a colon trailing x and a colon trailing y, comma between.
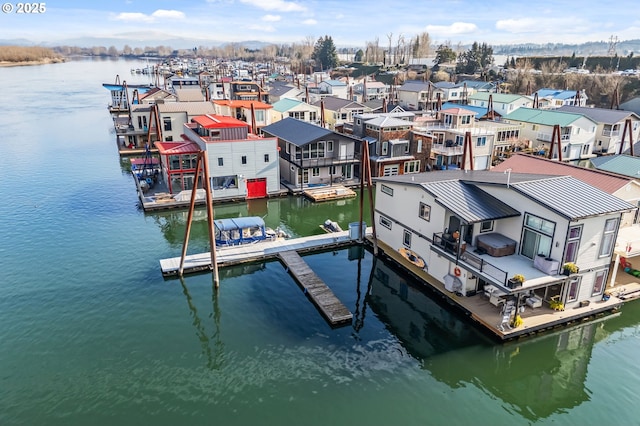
x: 556, y: 304
x: 516, y: 281
x: 517, y: 321
x: 569, y: 268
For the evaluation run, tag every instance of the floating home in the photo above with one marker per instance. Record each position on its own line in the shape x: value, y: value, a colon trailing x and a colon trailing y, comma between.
x: 519, y: 253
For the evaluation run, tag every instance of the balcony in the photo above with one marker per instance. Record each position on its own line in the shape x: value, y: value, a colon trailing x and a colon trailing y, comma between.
x: 494, y: 270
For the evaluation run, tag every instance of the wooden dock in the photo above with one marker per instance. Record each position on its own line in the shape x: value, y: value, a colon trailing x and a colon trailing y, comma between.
x: 227, y: 256
x: 331, y: 308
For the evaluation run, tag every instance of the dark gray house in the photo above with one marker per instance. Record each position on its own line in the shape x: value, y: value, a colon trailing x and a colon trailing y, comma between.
x: 312, y: 155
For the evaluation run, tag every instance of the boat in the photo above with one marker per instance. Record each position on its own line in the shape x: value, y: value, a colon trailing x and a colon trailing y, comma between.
x: 244, y: 230
x: 330, y: 226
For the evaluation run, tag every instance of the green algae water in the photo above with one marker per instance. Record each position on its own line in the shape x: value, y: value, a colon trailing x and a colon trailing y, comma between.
x: 91, y: 333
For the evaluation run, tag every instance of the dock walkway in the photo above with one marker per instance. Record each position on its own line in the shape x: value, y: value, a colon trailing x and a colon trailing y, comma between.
x: 321, y: 295
x: 227, y: 256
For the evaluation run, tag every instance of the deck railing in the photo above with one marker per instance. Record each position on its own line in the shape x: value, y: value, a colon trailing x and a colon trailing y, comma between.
x: 461, y: 254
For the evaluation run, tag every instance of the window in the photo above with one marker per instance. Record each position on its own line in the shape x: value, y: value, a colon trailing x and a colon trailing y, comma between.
x: 385, y: 221
x: 465, y: 119
x: 608, y: 237
x: 244, y: 159
x: 406, y: 238
x: 481, y: 141
x: 386, y: 190
x: 332, y: 170
x: 537, y: 236
x: 315, y: 171
x: 412, y: 166
x: 419, y: 148
x: 266, y: 158
x: 220, y: 162
x: 167, y: 123
x: 486, y: 226
x: 425, y: 212
x: 459, y: 140
x: 385, y: 147
x: 223, y: 182
x: 598, y: 284
x: 330, y: 146
x: 574, y: 288
x: 573, y: 243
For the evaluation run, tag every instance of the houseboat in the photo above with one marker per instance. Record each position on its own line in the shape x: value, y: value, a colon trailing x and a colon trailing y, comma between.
x: 519, y: 253
x: 244, y: 230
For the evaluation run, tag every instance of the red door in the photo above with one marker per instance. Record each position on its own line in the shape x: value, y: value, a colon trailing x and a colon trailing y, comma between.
x: 257, y: 188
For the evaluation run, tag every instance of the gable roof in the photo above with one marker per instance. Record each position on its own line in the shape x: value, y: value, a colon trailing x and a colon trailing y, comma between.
x: 191, y: 108
x: 173, y: 148
x: 296, y: 131
x: 334, y: 83
x: 415, y: 86
x: 556, y: 94
x: 286, y: 104
x: 544, y: 117
x: 334, y: 103
x: 557, y: 193
x: 281, y: 89
x: 477, y: 110
x: 599, y: 115
x: 632, y: 105
x: 524, y: 163
x: 622, y: 164
x: 503, y: 98
x: 383, y: 120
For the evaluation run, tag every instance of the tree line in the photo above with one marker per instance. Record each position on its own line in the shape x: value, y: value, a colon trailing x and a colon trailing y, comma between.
x: 27, y: 54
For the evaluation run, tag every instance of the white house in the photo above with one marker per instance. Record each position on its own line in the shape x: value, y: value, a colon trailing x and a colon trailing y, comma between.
x: 576, y: 132
x: 473, y: 231
x: 502, y: 103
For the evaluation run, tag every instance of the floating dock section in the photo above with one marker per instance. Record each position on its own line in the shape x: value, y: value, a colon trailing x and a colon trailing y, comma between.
x: 321, y: 295
x: 227, y: 256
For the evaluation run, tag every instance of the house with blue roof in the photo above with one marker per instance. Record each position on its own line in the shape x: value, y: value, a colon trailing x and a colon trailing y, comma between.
x: 576, y: 132
x: 336, y: 88
x: 554, y: 98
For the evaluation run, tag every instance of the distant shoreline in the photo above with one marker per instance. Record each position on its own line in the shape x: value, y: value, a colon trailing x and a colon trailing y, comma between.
x: 43, y: 61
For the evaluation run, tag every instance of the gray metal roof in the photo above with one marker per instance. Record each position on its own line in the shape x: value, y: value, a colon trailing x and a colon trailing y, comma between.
x: 296, y: 131
x: 565, y: 195
x: 599, y: 115
x: 571, y: 197
x: 469, y: 202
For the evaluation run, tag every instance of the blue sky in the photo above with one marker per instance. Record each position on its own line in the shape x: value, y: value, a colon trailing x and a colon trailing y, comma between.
x: 348, y: 22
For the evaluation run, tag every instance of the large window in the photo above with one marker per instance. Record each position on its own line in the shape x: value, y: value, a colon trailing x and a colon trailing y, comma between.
x: 608, y: 237
x: 314, y: 150
x: 223, y: 182
x: 537, y: 236
x: 167, y: 123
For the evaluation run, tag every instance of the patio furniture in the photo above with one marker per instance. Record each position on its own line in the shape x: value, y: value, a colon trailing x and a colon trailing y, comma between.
x: 546, y: 265
x: 534, y: 302
x: 495, y: 296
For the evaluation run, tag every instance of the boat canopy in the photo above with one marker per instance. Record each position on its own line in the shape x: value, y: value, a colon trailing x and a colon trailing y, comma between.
x: 239, y: 223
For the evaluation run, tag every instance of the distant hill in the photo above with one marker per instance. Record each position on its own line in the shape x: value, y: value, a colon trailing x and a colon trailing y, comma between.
x: 592, y: 48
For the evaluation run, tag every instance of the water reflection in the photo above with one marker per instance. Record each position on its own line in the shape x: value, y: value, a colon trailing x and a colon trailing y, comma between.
x: 536, y: 377
x: 215, y: 356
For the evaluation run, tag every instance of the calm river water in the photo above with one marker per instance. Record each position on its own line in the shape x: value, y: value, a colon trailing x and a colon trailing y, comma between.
x: 91, y: 333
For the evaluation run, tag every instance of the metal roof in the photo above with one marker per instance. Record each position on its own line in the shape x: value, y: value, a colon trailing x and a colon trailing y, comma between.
x: 415, y: 86
x: 571, y: 197
x: 524, y: 163
x: 286, y: 104
x: 469, y: 202
x: 622, y: 164
x: 599, y: 115
x: 296, y: 131
x: 565, y: 195
x: 544, y: 117
x: 503, y: 98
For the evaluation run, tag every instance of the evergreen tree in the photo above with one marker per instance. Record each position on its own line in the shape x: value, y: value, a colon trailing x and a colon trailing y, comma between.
x: 444, y: 54
x: 359, y: 55
x: 478, y: 58
x: 324, y: 53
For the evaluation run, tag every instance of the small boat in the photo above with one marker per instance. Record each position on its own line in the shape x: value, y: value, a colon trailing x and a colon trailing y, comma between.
x: 244, y: 230
x: 330, y: 226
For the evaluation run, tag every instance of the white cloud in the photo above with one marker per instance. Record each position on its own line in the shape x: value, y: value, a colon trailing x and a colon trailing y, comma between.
x: 168, y: 14
x: 453, y: 29
x: 339, y: 16
x: 262, y: 28
x: 158, y: 14
x: 524, y: 25
x: 279, y: 5
x: 271, y: 18
x: 309, y: 22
